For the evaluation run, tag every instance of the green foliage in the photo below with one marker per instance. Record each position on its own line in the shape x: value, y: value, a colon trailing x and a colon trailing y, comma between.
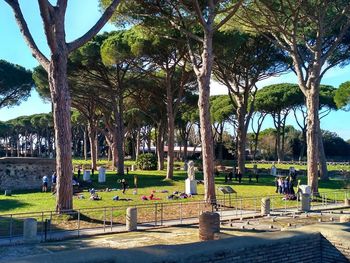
x: 275, y: 98
x: 146, y: 161
x: 342, y: 96
x: 221, y: 109
x: 15, y: 84
x: 334, y: 145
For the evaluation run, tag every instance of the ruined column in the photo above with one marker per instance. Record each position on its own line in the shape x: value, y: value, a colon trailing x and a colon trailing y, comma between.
x: 209, y: 225
x: 131, y: 219
x: 265, y: 206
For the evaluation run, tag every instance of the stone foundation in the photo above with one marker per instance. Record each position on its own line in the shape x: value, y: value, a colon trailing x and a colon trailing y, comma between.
x: 24, y: 173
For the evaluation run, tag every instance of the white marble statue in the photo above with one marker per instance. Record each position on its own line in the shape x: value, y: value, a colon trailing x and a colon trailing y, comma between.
x: 191, y: 171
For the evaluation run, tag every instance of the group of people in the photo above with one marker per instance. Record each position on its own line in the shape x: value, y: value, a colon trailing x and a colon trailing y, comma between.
x: 238, y: 176
x: 285, y: 184
x: 45, y: 183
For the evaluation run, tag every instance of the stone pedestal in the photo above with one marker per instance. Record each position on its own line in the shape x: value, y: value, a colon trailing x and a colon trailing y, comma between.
x: 347, y: 202
x: 101, y: 175
x: 86, y: 175
x: 344, y: 219
x: 305, y: 202
x: 30, y: 230
x: 190, y: 187
x: 265, y: 206
x: 209, y: 225
x: 131, y: 219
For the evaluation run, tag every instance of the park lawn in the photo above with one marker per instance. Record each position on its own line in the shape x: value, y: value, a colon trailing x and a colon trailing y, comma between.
x: 35, y: 201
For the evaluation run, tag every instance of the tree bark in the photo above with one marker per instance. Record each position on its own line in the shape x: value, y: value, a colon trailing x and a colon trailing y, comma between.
x: 203, y: 79
x: 61, y: 114
x: 92, y: 132
x: 171, y: 129
x: 323, y: 160
x: 160, y: 147
x: 312, y: 136
x: 241, y: 139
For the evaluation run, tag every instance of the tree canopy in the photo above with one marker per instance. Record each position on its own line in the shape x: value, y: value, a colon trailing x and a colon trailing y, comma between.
x: 15, y: 84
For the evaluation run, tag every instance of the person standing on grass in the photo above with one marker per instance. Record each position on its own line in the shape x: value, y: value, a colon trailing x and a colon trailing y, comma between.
x: 79, y: 172
x: 45, y: 183
x: 53, y: 182
x: 124, y: 185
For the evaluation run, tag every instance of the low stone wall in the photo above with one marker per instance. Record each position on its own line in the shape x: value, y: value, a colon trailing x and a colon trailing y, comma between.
x: 24, y: 173
x: 306, y: 244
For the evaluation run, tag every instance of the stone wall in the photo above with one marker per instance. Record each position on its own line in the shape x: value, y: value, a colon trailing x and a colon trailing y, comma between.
x: 315, y: 244
x: 24, y: 173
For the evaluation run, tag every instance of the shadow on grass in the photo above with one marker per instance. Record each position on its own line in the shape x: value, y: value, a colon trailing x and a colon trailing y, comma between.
x: 144, y: 179
x: 10, y: 204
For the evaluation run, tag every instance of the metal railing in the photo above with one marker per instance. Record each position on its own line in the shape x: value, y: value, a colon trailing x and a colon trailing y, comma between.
x: 93, y: 221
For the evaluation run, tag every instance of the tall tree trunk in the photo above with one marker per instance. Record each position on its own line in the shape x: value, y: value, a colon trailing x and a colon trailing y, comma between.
x: 203, y: 79
x: 92, y: 132
x: 160, y: 147
x: 185, y: 142
x: 323, y: 160
x: 138, y: 144
x: 171, y: 129
x: 85, y: 144
x: 120, y: 137
x: 241, y: 139
x: 303, y: 145
x: 312, y: 135
x: 61, y: 113
x: 220, y: 143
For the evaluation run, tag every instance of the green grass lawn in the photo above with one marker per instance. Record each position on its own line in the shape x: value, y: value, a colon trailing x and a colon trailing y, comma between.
x: 30, y: 201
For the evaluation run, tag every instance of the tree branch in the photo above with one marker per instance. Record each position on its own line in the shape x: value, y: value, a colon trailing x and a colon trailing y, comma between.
x: 95, y: 29
x: 23, y: 27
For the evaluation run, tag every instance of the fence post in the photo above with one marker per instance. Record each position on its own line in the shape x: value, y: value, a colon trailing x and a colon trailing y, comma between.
x: 42, y: 226
x: 104, y: 220
x: 111, y: 219
x: 181, y: 213
x: 78, y: 223
x: 161, y: 214
x: 11, y: 222
x: 241, y: 206
x: 155, y: 214
x: 50, y: 228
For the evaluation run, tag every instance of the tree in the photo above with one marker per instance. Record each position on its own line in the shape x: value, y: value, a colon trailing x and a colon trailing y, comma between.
x: 197, y: 21
x: 222, y: 111
x: 53, y: 17
x: 278, y: 100
x: 15, y: 84
x: 315, y: 35
x: 241, y: 61
x: 342, y: 96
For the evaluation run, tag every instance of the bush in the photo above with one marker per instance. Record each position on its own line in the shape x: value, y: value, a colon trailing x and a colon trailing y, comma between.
x: 147, y: 161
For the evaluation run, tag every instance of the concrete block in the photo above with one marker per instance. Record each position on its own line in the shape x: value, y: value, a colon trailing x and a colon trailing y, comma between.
x: 30, y: 230
x: 131, y: 219
x: 265, y: 206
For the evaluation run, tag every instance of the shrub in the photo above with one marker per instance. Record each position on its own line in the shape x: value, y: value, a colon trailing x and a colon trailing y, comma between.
x: 147, y: 161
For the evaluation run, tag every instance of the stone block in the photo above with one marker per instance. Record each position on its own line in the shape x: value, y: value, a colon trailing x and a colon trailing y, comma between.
x: 305, y: 202
x: 265, y: 206
x: 131, y: 219
x: 30, y: 230
x: 209, y: 225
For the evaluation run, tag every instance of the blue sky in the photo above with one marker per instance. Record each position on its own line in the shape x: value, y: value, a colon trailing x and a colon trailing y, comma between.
x: 81, y: 15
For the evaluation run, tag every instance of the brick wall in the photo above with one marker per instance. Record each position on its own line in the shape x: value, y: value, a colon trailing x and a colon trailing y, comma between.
x: 335, y: 249
x: 24, y: 173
